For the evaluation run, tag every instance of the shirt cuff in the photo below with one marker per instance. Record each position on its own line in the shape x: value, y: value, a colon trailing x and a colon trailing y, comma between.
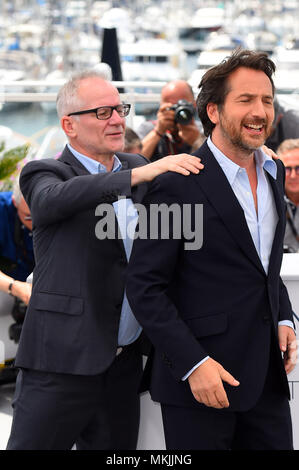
x: 286, y: 323
x: 195, y: 367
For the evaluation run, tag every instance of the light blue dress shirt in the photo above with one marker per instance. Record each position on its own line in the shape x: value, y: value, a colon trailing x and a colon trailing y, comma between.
x: 261, y: 223
x: 127, y: 216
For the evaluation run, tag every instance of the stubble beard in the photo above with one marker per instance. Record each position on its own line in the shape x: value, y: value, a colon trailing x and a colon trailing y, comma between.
x: 234, y: 136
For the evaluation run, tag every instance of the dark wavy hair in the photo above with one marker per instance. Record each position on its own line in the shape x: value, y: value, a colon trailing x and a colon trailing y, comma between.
x: 214, y: 83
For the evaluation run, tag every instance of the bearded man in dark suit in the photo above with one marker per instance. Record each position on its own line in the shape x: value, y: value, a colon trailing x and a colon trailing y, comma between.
x: 218, y: 315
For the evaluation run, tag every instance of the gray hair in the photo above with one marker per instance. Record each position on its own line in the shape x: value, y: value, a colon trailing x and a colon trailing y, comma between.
x: 67, y: 100
x: 16, y: 190
x: 287, y: 145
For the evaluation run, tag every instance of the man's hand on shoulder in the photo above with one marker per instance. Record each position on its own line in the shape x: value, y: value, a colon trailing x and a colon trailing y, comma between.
x: 182, y: 163
x: 269, y: 152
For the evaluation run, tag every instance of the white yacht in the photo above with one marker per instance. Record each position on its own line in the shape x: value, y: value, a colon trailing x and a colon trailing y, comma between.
x: 286, y: 58
x: 152, y: 60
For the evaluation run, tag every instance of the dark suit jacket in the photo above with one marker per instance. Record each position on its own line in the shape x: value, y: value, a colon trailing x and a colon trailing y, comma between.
x: 215, y: 301
x: 72, y: 320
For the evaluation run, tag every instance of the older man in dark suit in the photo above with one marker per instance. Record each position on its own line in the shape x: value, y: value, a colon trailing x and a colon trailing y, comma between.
x: 79, y: 352
x: 219, y: 315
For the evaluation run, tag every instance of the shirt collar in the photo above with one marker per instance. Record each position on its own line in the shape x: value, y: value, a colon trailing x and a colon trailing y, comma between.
x: 231, y: 169
x: 92, y: 165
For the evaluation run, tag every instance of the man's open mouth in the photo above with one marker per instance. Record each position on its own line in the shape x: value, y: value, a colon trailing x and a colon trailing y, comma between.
x: 254, y: 128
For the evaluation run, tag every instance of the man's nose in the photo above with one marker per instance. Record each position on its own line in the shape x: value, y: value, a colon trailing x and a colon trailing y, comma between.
x: 115, y: 117
x: 259, y: 109
x: 293, y: 173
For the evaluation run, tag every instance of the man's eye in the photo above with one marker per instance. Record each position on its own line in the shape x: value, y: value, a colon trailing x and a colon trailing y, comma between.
x: 102, y: 112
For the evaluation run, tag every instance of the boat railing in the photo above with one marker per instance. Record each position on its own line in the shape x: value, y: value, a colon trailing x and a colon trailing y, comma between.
x: 134, y: 92
x: 37, y: 91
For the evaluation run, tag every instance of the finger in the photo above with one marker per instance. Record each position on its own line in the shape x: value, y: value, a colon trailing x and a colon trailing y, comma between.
x: 179, y: 169
x: 289, y: 364
x: 198, y: 397
x: 189, y: 166
x: 214, y: 402
x: 210, y: 400
x: 186, y: 168
x: 221, y: 398
x: 206, y: 400
x: 283, y: 342
x: 190, y: 159
x: 290, y: 357
x: 228, y: 378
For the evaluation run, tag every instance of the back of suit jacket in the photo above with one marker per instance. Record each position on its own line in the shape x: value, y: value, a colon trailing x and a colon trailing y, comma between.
x: 216, y: 300
x: 72, y: 320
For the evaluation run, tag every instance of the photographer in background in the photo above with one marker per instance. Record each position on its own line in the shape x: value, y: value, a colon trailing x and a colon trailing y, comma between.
x: 175, y: 129
x: 16, y: 253
x: 288, y: 152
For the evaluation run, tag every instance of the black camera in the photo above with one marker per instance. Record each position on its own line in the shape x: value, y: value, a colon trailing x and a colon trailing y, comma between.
x: 184, y: 112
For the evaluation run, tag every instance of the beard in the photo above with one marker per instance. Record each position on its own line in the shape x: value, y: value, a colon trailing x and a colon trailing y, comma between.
x: 234, y: 133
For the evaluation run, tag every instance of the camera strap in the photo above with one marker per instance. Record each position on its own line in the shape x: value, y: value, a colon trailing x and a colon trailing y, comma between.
x: 174, y: 146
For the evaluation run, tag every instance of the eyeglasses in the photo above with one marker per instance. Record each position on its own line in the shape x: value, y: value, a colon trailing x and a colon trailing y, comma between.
x: 105, y: 112
x: 289, y: 170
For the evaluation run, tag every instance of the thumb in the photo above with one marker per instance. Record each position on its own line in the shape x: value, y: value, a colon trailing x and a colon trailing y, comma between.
x: 227, y: 377
x: 283, y: 343
x: 283, y: 346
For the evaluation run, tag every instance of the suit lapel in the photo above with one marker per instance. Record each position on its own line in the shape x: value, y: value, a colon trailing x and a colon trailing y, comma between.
x: 68, y: 158
x: 138, y: 191
x: 218, y: 191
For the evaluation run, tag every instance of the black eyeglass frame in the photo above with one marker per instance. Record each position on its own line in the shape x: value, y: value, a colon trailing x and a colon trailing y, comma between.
x: 289, y: 169
x: 126, y: 108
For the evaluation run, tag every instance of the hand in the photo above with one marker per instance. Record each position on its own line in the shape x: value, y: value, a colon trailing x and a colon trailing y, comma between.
x: 181, y: 163
x: 206, y: 383
x: 189, y: 133
x: 269, y: 152
x: 22, y: 290
x: 288, y: 346
x: 165, y: 118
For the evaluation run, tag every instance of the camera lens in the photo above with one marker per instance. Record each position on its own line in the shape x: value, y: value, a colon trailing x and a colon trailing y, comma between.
x: 184, y: 112
x: 184, y: 116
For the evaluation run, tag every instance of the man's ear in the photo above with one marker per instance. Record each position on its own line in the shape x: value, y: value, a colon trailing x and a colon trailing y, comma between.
x: 68, y: 125
x: 213, y: 113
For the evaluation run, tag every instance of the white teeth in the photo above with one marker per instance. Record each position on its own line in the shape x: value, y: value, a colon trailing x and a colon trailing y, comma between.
x: 253, y: 126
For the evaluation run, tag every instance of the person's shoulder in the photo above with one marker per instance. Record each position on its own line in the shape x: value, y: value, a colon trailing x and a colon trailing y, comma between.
x: 43, y: 164
x: 171, y: 182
